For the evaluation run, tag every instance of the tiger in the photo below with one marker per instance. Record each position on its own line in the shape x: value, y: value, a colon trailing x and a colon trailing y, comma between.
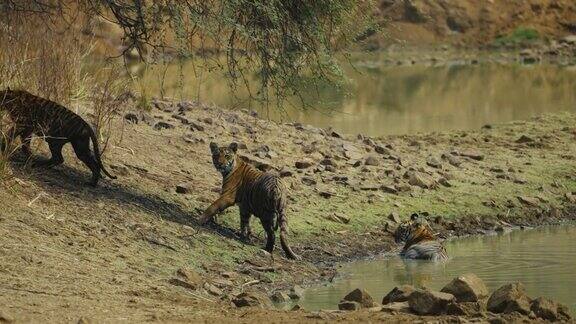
x: 420, y: 242
x: 31, y: 114
x: 257, y: 193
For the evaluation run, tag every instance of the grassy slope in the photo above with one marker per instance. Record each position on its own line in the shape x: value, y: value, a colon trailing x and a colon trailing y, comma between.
x: 107, y: 253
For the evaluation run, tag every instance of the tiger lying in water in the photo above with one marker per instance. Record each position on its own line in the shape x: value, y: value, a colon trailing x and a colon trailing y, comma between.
x: 56, y: 124
x: 257, y: 193
x: 420, y: 242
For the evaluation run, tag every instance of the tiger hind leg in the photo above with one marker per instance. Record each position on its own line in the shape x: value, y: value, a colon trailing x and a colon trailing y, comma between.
x: 268, y: 225
x: 245, y: 231
x: 82, y: 149
x: 56, y: 159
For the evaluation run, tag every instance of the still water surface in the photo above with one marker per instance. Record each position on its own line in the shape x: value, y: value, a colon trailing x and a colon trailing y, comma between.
x: 379, y: 99
x: 543, y: 259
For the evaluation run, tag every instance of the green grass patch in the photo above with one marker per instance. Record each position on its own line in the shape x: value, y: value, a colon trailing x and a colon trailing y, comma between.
x: 520, y: 36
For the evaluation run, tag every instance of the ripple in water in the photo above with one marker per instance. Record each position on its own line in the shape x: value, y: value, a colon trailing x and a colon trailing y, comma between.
x: 543, y: 259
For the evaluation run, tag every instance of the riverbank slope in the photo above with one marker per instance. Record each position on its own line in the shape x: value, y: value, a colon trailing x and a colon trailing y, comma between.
x: 132, y: 249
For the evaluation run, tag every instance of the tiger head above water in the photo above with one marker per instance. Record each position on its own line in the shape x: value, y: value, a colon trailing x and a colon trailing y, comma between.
x: 224, y: 158
x: 420, y: 241
x: 414, y: 228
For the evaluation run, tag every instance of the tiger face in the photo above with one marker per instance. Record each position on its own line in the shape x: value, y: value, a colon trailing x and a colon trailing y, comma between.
x: 410, y: 229
x: 224, y: 158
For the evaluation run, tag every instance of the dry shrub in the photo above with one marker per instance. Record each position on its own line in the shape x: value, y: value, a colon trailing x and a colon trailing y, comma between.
x: 49, y: 59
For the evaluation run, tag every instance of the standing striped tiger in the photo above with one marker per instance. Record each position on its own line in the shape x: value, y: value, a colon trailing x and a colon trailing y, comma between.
x: 31, y: 114
x: 257, y: 193
x: 420, y: 242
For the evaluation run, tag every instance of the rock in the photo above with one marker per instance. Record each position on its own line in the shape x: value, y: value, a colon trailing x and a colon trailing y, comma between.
x: 524, y: 139
x: 434, y: 162
x: 414, y: 11
x: 163, y: 125
x: 425, y: 302
x: 530, y: 201
x: 509, y: 298
x: 296, y: 292
x: 248, y: 299
x: 296, y: 307
x: 326, y: 193
x: 309, y: 181
x: 131, y: 118
x: 472, y: 154
x: 339, y: 218
x: 303, y: 164
x: 570, y: 197
x: 280, y: 297
x: 349, y: 305
x: 182, y: 119
x: 545, y: 308
x: 570, y: 39
x: 445, y: 182
x: 421, y: 180
x: 360, y: 296
x: 395, y: 217
x: 372, y: 160
x: 453, y: 160
x: 187, y: 278
x: 120, y: 169
x: 464, y: 309
x: 184, y: 188
x: 389, y: 189
x: 467, y: 288
x: 397, y: 307
x: 5, y: 318
x: 213, y: 290
x: 351, y: 152
x: 196, y: 127
x: 399, y: 294
x: 382, y: 150
x: 286, y: 173
x: 328, y: 162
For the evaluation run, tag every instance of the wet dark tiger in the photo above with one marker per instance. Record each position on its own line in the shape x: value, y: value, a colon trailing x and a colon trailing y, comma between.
x: 420, y: 242
x: 31, y: 114
x: 257, y: 193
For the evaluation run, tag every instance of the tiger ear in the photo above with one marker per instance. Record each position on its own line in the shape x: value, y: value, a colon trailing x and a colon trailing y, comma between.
x: 414, y: 216
x: 213, y: 148
x: 233, y: 146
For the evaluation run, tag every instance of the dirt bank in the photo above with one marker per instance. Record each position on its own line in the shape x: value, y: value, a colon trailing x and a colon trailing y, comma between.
x: 131, y: 249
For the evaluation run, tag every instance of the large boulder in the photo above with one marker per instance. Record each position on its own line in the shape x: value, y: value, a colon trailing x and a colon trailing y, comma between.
x: 426, y: 302
x: 467, y: 288
x: 509, y: 298
x: 549, y: 310
x: 361, y: 297
x: 398, y: 294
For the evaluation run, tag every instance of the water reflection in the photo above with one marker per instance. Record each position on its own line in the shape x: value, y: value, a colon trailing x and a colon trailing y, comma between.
x: 380, y: 99
x: 543, y: 259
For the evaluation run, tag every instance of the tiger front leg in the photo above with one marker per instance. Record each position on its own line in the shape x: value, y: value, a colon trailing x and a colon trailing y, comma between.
x: 218, y: 206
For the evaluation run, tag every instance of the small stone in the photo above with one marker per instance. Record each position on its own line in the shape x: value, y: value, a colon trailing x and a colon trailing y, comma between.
x: 524, y: 139
x: 464, y: 308
x: 163, y: 125
x: 453, y: 160
x: 426, y: 302
x: 445, y: 182
x: 286, y: 173
x: 467, y: 288
x: 382, y: 150
x: 339, y: 218
x: 529, y: 201
x: 213, y: 290
x: 395, y: 217
x: 247, y: 299
x: 349, y: 306
x: 280, y: 297
x: 390, y: 189
x: 309, y: 181
x: 472, y: 154
x: 296, y: 307
x: 182, y: 119
x: 120, y: 170
x: 545, y: 309
x: 296, y: 292
x: 421, y: 180
x: 398, y: 294
x: 360, y: 296
x: 509, y: 298
x: 131, y: 118
x: 372, y: 160
x: 303, y: 164
x: 184, y: 188
x: 190, y: 277
x: 434, y: 162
